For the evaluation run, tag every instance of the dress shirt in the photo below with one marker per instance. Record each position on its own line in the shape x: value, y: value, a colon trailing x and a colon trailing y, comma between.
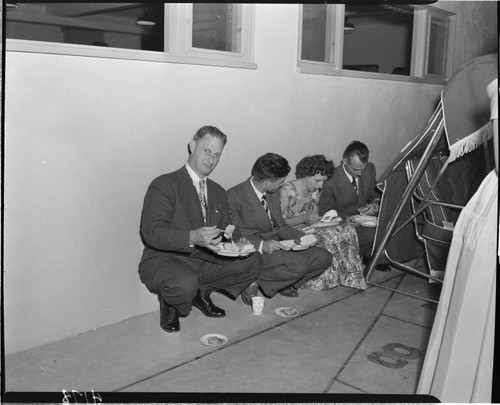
x: 259, y: 195
x: 351, y: 178
x: 196, y: 181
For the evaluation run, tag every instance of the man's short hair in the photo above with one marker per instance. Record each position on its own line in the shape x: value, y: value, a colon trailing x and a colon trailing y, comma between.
x: 270, y: 166
x: 358, y: 149
x: 210, y: 130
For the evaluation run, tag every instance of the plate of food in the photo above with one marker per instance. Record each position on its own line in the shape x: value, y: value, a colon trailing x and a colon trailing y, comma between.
x: 365, y: 220
x: 288, y: 243
x: 214, y: 340
x: 286, y: 312
x: 308, y: 240
x: 329, y: 218
x: 231, y: 249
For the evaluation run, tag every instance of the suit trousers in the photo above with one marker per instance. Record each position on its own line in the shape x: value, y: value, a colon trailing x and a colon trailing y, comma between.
x: 365, y: 239
x: 285, y: 268
x: 179, y: 278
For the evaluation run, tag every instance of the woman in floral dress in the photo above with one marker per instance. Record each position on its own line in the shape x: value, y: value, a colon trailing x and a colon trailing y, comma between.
x: 299, y: 202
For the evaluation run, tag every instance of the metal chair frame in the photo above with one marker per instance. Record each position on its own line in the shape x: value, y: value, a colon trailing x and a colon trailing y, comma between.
x: 391, y: 230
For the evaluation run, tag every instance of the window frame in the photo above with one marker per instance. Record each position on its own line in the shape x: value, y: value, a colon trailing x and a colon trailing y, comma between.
x: 177, y: 49
x: 333, y: 67
x: 419, y: 51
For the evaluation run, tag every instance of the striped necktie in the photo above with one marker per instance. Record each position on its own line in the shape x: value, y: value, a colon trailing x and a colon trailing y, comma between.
x: 203, y: 200
x: 263, y: 201
x: 355, y: 185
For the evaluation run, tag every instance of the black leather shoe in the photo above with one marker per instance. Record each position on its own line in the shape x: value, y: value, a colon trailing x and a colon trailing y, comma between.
x: 383, y: 267
x: 206, y: 306
x: 379, y: 267
x: 249, y: 292
x: 169, y: 318
x: 289, y: 292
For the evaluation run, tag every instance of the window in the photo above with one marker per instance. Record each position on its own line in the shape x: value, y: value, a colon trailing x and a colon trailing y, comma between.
x: 215, y: 33
x: 319, y: 28
x: 216, y: 27
x: 440, y: 36
x: 398, y: 42
x: 98, y: 24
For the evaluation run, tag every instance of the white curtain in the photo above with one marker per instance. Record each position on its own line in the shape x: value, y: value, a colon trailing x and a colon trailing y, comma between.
x: 458, y: 365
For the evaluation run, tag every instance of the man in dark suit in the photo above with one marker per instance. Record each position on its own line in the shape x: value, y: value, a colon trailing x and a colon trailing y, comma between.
x: 254, y: 207
x: 351, y: 191
x: 183, y: 218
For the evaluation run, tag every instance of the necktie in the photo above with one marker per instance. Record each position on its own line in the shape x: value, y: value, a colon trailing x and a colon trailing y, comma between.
x: 263, y: 201
x: 203, y: 201
x: 354, y: 184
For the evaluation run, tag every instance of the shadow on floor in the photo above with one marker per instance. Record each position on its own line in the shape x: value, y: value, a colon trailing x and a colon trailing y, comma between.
x: 342, y: 342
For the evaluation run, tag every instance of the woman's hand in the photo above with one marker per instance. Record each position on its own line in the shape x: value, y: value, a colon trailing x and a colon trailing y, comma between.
x: 311, y: 218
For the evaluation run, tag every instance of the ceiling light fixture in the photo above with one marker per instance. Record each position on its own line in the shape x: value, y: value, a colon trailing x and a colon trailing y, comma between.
x: 145, y: 21
x: 348, y: 27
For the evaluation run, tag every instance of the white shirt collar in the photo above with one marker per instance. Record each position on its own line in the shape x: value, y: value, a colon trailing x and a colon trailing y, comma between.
x: 348, y: 175
x: 259, y: 194
x: 196, y: 179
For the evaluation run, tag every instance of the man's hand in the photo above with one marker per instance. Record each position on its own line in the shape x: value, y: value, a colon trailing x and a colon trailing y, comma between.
x: 243, y: 240
x: 270, y: 246
x: 369, y: 209
x: 208, y: 236
x: 350, y: 221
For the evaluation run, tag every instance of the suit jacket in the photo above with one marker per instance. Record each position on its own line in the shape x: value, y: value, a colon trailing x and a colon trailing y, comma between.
x: 248, y: 215
x: 339, y: 194
x: 171, y: 210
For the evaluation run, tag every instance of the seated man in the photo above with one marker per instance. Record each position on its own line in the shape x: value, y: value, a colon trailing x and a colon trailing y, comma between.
x: 254, y: 207
x: 183, y: 217
x: 351, y: 191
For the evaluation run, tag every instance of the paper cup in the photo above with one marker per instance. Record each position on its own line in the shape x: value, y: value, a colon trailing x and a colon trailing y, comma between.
x: 257, y: 305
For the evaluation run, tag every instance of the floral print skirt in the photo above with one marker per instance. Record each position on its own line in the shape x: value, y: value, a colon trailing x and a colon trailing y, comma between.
x: 347, y: 268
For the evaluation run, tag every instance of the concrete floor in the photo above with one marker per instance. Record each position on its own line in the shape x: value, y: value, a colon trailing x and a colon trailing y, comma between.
x: 344, y: 341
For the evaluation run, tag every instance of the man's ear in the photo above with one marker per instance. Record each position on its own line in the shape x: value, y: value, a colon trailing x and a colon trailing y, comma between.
x: 191, y: 145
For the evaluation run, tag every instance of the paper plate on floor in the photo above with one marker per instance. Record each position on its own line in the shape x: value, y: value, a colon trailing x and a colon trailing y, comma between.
x: 286, y: 312
x: 214, y: 339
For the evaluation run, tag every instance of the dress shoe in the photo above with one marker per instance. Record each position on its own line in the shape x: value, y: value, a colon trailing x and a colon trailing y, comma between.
x: 383, y: 267
x: 379, y: 267
x: 249, y: 292
x: 289, y: 292
x: 169, y: 318
x: 206, y: 306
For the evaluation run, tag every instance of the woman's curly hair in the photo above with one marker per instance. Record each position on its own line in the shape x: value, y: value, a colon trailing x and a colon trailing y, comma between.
x: 312, y: 165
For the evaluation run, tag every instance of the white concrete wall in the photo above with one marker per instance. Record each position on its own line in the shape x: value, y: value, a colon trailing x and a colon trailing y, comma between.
x: 85, y: 136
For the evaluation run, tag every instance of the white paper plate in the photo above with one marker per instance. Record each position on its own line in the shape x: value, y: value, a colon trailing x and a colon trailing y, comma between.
x: 214, y: 340
x: 365, y: 220
x: 308, y: 240
x: 230, y: 254
x: 286, y: 312
x: 331, y: 223
x: 288, y: 243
